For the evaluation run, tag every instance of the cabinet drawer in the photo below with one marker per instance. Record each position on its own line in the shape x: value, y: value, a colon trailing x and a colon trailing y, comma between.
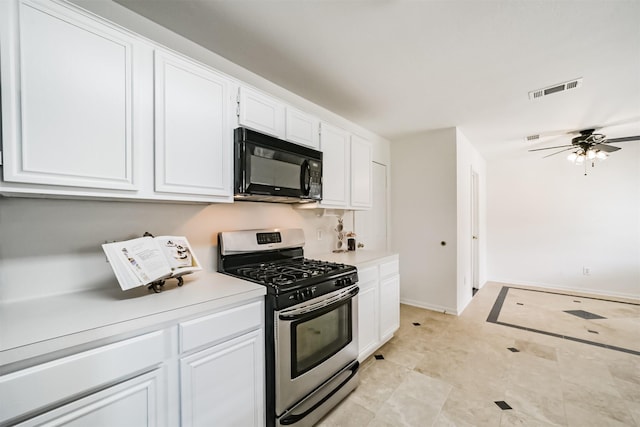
x: 368, y: 274
x: 42, y: 385
x: 390, y: 267
x: 218, y: 326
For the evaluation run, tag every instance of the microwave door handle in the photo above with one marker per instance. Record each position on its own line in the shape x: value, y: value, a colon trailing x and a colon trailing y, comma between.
x: 305, y: 178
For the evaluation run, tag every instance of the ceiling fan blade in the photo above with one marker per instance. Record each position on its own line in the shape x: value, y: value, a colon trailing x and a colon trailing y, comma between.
x: 606, y: 148
x: 549, y: 148
x: 623, y: 139
x: 558, y: 152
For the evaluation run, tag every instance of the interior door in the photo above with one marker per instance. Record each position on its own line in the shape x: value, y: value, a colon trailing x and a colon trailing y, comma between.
x: 371, y: 225
x: 475, y: 226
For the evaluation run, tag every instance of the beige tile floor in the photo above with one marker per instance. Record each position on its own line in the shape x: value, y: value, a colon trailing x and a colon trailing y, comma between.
x: 450, y: 370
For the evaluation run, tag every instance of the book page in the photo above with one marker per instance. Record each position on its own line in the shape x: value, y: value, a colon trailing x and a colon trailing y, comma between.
x: 142, y: 258
x: 178, y: 254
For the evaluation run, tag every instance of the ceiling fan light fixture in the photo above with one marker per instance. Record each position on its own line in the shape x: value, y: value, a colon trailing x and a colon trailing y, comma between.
x: 601, y: 155
x: 572, y: 157
x: 591, y: 154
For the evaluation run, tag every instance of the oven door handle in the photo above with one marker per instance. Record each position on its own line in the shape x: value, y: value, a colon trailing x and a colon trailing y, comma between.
x: 294, y: 418
x: 329, y: 305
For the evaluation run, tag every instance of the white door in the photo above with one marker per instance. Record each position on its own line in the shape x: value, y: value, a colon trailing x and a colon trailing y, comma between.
x: 134, y: 402
x: 224, y: 384
x: 389, y: 306
x: 475, y: 229
x: 371, y: 225
x: 336, y: 170
x: 361, y: 158
x: 69, y: 103
x: 193, y: 147
x: 302, y: 128
x: 261, y: 112
x: 368, y: 326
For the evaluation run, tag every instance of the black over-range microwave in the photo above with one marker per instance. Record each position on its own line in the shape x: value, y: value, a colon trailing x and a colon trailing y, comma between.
x: 268, y: 169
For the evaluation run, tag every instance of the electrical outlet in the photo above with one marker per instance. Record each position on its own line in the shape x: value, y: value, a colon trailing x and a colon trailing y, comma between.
x: 319, y: 233
x: 586, y: 271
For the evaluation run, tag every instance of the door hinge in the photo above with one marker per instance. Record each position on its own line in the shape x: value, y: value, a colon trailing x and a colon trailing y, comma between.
x: 0, y: 157
x: 238, y: 103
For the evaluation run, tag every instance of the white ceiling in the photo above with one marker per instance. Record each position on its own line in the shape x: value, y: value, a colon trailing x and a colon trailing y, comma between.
x: 400, y: 67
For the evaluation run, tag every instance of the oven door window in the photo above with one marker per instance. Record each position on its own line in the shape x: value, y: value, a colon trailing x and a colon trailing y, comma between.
x: 316, y: 338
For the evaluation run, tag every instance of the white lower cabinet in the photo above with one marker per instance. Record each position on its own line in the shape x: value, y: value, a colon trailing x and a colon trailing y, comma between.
x: 222, y: 368
x: 389, y: 306
x: 378, y: 304
x: 223, y: 385
x: 368, y: 336
x: 131, y: 403
x: 210, y: 369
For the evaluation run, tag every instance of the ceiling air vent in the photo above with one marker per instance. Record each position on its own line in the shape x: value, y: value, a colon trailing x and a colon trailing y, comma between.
x: 531, y: 138
x: 561, y: 87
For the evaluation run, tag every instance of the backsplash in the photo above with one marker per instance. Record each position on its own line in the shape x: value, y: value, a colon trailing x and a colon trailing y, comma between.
x: 52, y: 246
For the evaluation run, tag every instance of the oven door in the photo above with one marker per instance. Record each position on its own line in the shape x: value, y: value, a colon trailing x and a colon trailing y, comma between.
x: 314, y: 340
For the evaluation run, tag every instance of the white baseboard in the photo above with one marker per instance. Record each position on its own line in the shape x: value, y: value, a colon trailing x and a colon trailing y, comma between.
x: 597, y: 292
x: 420, y: 304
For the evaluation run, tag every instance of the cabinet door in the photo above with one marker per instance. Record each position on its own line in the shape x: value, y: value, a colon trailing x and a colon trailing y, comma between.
x: 361, y: 173
x: 367, y: 319
x: 334, y: 143
x: 224, y: 385
x: 302, y: 128
x: 389, y: 306
x: 193, y: 137
x: 261, y: 112
x: 68, y: 82
x: 132, y: 403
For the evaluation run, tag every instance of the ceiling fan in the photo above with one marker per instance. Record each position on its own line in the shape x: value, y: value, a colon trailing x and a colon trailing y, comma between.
x: 588, y: 146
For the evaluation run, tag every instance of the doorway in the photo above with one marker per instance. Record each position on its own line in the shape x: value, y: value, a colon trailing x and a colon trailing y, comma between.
x: 475, y: 232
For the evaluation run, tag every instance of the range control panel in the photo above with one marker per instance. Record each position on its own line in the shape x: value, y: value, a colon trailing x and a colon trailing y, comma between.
x: 268, y: 238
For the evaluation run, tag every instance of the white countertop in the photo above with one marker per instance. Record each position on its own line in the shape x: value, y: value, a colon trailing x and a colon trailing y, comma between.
x: 35, y: 327
x: 359, y: 258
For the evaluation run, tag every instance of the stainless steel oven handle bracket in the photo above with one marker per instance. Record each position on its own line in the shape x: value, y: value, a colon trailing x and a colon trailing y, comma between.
x: 338, y: 299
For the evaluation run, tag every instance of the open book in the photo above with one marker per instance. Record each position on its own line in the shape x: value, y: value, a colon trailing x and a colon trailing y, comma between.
x: 141, y: 261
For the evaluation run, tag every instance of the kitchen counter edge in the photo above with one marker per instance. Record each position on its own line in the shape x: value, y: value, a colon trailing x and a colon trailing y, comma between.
x: 37, y: 327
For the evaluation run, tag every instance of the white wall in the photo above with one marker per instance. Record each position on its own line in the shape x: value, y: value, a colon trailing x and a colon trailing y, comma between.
x: 423, y: 209
x: 547, y: 221
x: 53, y: 246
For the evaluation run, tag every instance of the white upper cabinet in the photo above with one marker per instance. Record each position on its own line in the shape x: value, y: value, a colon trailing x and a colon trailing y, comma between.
x: 68, y: 96
x: 261, y: 112
x: 361, y: 173
x: 193, y: 136
x: 347, y: 169
x: 302, y: 128
x: 334, y: 143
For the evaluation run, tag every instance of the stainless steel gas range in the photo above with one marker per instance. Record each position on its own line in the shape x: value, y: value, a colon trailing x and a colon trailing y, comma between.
x: 311, y: 322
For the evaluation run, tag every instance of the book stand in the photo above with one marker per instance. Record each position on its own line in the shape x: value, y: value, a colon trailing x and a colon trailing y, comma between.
x: 158, y: 284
